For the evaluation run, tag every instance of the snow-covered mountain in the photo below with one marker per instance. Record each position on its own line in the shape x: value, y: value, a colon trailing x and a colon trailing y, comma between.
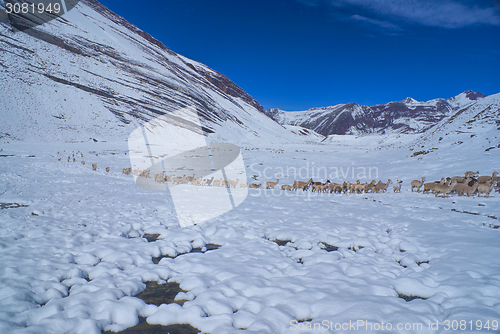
x: 406, y: 116
x: 475, y: 127
x: 93, y: 74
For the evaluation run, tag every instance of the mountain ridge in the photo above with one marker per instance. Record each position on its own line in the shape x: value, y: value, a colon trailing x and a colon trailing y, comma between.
x: 92, y: 74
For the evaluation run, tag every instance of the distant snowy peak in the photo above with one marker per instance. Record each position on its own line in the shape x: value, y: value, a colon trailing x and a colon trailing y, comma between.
x: 409, y: 100
x: 471, y: 95
x: 405, y: 116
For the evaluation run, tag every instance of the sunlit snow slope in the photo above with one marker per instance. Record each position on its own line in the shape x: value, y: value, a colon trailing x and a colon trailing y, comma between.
x: 91, y: 74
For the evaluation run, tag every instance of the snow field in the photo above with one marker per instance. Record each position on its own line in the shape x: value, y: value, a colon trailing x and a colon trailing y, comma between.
x: 76, y: 265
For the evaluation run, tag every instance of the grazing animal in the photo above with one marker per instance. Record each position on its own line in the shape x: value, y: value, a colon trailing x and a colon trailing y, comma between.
x: 209, y: 181
x: 429, y: 187
x: 338, y: 189
x: 83, y: 162
x: 444, y: 189
x: 302, y: 185
x: 417, y: 184
x: 286, y: 187
x: 159, y: 178
x: 319, y: 183
x: 397, y: 189
x: 346, y: 185
x: 442, y: 181
x: 323, y: 188
x: 315, y: 186
x: 486, y: 179
x: 335, y: 188
x: 243, y: 185
x: 271, y: 185
x: 470, y: 174
x: 458, y: 184
x: 350, y: 187
x: 145, y: 173
x: 254, y: 186
x: 382, y: 186
x: 358, y: 188
x: 216, y: 183
x: 94, y: 166
x: 485, y: 188
x: 177, y: 180
x: 369, y: 186
x: 126, y: 171
x: 472, y: 181
x: 462, y: 188
x: 459, y: 179
x: 233, y: 183
x: 107, y: 169
x: 331, y: 186
x: 495, y: 178
x: 224, y: 183
x: 197, y: 181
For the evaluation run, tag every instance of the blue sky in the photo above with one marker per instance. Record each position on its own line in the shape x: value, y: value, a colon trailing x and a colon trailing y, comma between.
x: 298, y: 54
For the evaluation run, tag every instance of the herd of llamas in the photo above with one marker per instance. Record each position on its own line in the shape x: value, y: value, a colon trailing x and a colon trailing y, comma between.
x: 468, y: 184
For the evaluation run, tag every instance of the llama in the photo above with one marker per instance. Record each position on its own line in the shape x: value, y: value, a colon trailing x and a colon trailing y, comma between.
x: 302, y: 185
x: 444, y: 189
x: 382, y: 186
x: 397, y: 189
x: 485, y: 188
x: 233, y: 183
x: 209, y: 181
x: 271, y: 185
x: 417, y: 184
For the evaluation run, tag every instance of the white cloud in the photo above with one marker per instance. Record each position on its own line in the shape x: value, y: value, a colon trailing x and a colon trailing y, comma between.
x: 382, y: 24
x: 435, y: 13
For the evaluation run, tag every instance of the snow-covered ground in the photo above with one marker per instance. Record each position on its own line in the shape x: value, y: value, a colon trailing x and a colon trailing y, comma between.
x: 72, y: 257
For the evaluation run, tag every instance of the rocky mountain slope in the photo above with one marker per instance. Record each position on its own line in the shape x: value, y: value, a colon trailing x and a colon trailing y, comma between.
x: 474, y: 128
x: 92, y: 74
x: 406, y: 116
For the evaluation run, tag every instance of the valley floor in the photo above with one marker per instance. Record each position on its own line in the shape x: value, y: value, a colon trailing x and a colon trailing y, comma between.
x: 72, y: 257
